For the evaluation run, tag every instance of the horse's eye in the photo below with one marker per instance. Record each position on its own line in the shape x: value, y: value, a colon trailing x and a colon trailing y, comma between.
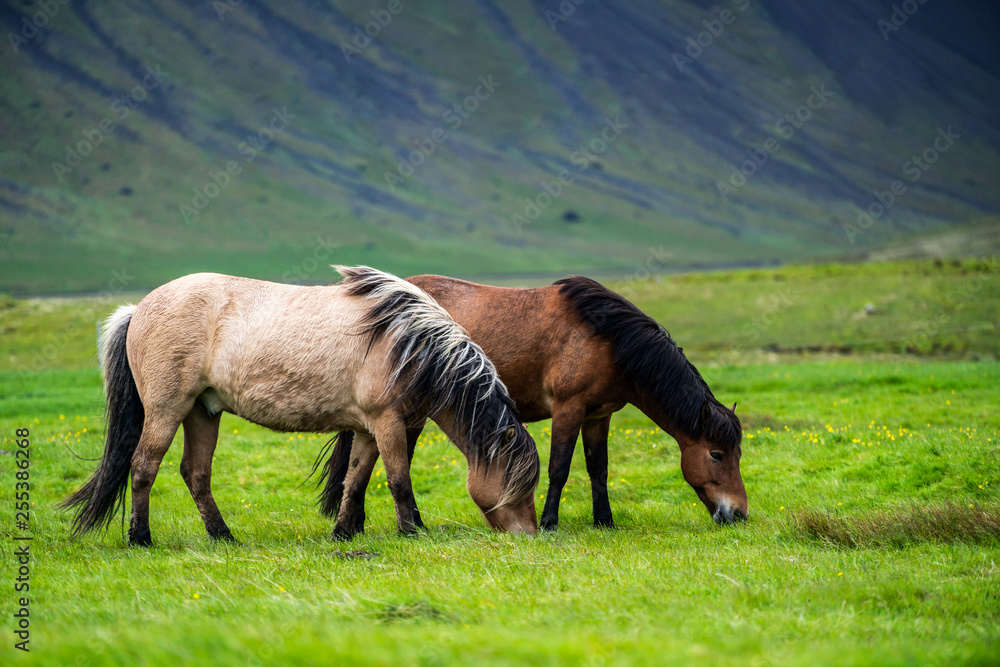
x: 716, y: 456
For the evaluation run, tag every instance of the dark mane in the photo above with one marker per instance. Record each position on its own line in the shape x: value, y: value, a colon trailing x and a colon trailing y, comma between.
x: 441, y: 367
x: 647, y: 357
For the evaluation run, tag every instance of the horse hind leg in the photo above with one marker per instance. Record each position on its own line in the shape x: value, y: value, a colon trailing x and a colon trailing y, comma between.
x: 157, y: 434
x: 201, y: 434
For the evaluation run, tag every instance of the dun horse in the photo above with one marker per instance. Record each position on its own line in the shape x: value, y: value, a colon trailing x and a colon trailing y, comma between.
x: 373, y: 354
x: 578, y: 352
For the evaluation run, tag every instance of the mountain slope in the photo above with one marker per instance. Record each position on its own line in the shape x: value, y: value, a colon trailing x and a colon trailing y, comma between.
x: 271, y: 139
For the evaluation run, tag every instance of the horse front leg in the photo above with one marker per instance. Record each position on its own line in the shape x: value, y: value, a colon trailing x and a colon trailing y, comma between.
x: 595, y: 449
x: 351, y: 516
x: 412, y: 435
x: 347, y: 527
x: 390, y: 436
x: 566, y: 421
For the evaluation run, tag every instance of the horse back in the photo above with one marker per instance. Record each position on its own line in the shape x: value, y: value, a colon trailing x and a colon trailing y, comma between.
x: 280, y: 355
x: 545, y: 354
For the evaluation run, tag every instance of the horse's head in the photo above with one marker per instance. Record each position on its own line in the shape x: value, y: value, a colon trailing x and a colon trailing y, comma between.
x: 503, y: 485
x: 711, y: 465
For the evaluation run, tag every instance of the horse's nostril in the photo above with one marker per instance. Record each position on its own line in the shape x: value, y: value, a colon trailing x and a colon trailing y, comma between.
x: 726, y: 514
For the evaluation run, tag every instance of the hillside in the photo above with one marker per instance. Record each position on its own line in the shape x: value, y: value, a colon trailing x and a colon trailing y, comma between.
x: 270, y: 139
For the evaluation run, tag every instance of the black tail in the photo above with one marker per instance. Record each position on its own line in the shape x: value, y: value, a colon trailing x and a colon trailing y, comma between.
x: 335, y: 473
x: 100, y: 499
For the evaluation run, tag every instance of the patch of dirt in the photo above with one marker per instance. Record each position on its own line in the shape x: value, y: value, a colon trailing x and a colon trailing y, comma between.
x: 412, y: 611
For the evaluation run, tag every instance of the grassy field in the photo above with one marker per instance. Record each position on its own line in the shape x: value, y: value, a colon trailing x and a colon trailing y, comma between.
x: 872, y: 479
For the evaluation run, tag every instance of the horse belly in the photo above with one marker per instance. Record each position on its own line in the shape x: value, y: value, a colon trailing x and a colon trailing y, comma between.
x: 533, y: 411
x: 290, y: 411
x: 292, y: 398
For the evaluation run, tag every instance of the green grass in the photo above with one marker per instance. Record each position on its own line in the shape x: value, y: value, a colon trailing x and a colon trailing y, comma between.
x: 920, y: 308
x: 923, y: 308
x: 853, y: 439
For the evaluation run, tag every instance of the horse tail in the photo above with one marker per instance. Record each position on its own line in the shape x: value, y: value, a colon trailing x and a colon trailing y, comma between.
x: 335, y: 474
x: 100, y: 499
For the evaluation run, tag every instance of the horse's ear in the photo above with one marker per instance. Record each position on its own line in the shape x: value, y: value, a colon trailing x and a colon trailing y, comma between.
x: 509, y: 434
x: 734, y: 408
x: 706, y: 412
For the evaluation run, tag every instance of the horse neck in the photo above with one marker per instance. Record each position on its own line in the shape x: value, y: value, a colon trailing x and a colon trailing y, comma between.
x: 652, y: 409
x: 446, y: 420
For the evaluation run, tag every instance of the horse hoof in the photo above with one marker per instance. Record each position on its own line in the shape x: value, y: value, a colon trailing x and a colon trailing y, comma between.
x: 604, y: 523
x: 342, y: 534
x: 224, y: 537
x: 141, y: 541
x: 549, y: 524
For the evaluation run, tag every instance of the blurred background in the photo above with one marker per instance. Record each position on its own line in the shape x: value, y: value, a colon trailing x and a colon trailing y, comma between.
x: 509, y: 141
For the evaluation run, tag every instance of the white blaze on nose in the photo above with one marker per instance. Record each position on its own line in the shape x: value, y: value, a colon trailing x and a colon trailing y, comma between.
x: 724, y: 508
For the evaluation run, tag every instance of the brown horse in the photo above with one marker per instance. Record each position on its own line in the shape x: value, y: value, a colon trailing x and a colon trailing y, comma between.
x: 373, y: 354
x: 577, y: 352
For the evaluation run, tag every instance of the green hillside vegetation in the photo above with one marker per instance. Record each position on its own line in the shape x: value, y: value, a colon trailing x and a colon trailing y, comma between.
x: 872, y: 479
x: 641, y: 144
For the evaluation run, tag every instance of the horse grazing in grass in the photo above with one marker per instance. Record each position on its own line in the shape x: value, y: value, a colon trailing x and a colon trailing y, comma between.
x: 577, y: 352
x: 373, y: 354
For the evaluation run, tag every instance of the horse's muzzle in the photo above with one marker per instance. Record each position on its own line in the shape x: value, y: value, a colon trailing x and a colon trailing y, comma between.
x: 727, y: 514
